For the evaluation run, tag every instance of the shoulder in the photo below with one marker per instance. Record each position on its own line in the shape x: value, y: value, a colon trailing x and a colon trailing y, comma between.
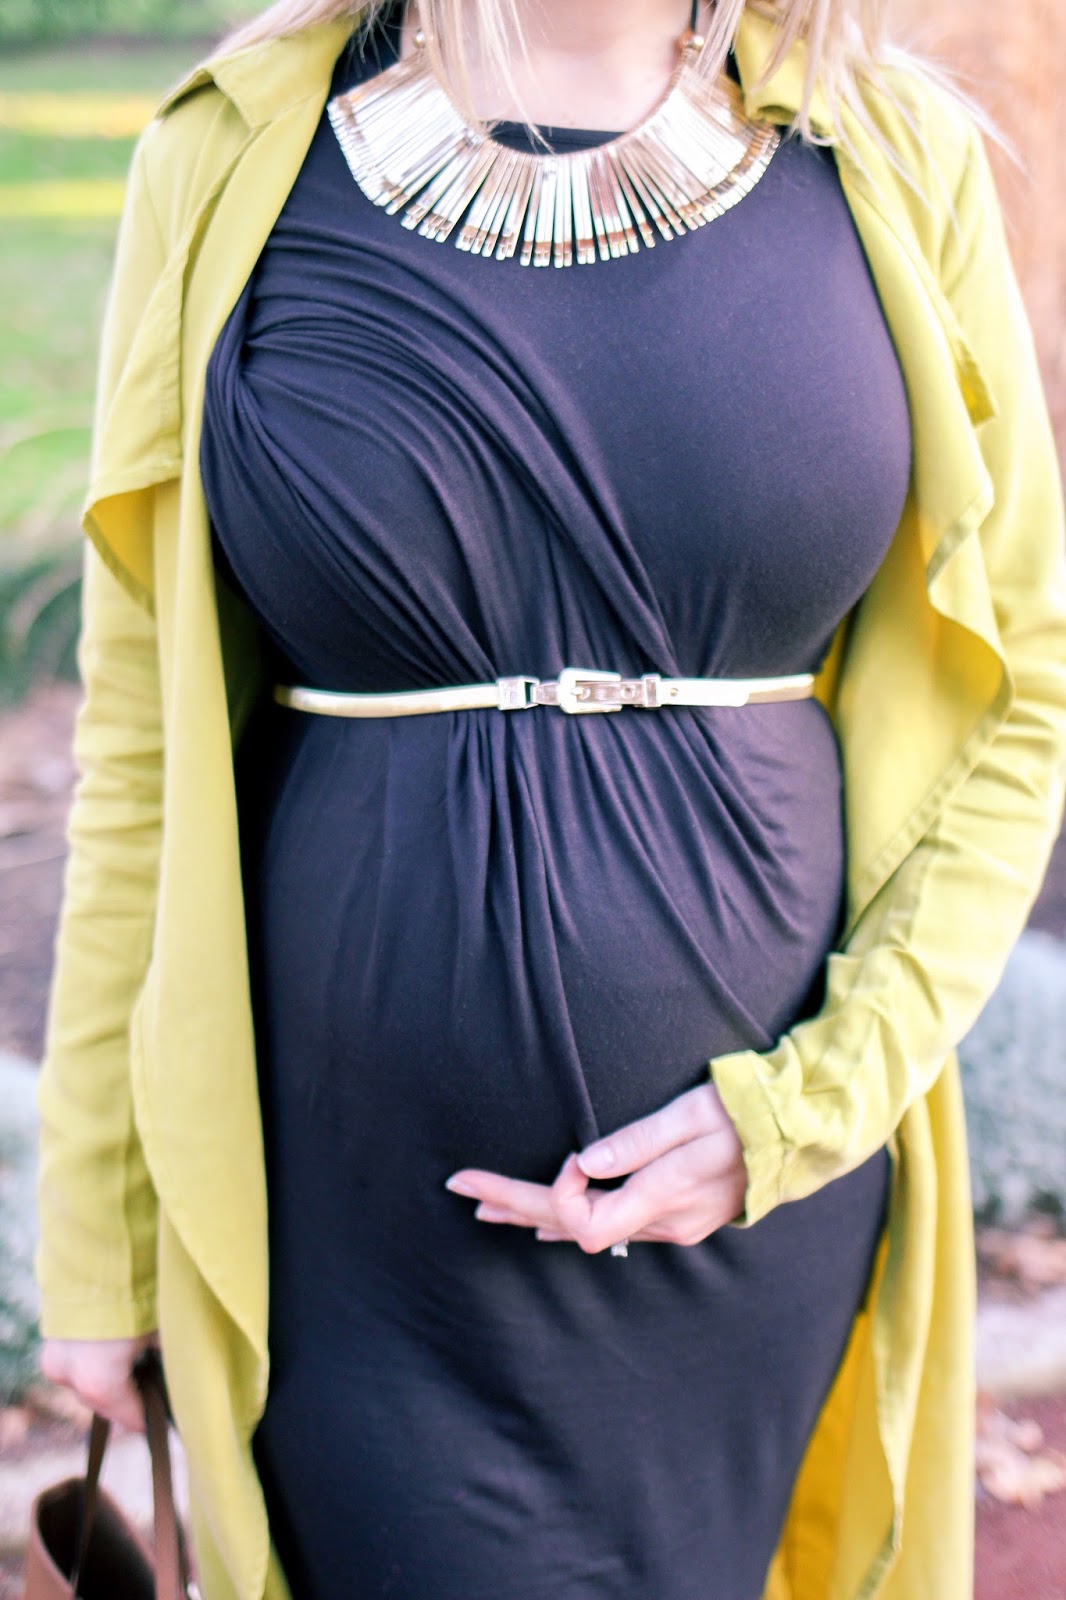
x: 182, y: 152
x: 920, y: 114
x: 203, y: 121
x: 930, y: 133
x: 922, y: 148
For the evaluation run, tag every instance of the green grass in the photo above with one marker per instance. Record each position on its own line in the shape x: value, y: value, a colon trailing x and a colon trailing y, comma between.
x: 54, y: 274
x: 98, y: 68
x: 33, y: 158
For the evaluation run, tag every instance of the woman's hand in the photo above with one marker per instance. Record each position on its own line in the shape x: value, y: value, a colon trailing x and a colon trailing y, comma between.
x: 686, y: 1179
x: 100, y: 1373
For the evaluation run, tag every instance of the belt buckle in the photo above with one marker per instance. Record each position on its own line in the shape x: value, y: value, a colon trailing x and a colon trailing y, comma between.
x: 575, y: 690
x: 518, y: 693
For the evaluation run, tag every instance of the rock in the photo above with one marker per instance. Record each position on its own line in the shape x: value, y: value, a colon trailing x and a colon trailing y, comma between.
x: 18, y: 1227
x: 1021, y: 1349
x: 1014, y: 1082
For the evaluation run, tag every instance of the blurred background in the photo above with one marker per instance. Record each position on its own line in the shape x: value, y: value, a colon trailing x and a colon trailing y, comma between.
x: 78, y: 80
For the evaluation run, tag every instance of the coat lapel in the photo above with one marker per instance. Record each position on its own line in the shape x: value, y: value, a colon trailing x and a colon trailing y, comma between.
x: 208, y: 669
x: 139, y: 436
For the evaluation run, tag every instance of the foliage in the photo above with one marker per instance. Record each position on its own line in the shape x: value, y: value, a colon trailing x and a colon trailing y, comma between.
x: 56, y: 274
x: 39, y: 616
x: 39, y: 21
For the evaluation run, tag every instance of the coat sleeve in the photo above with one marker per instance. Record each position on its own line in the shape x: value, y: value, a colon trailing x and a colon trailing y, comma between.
x: 931, y: 946
x: 96, y: 1251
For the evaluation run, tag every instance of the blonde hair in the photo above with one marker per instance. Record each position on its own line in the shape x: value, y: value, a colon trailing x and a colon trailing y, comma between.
x: 847, y: 45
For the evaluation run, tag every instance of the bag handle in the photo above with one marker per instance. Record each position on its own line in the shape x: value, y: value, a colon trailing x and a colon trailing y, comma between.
x: 171, y: 1563
x: 98, y: 1437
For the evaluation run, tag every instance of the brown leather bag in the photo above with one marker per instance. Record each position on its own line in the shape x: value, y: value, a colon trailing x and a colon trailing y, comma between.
x: 81, y: 1547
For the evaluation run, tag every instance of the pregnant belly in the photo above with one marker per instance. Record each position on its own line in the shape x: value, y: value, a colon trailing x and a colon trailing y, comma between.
x: 532, y: 928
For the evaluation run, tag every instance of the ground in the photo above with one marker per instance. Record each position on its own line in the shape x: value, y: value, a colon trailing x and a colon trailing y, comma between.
x: 1021, y: 1552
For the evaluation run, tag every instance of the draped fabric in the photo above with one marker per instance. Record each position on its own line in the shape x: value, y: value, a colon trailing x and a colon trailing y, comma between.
x: 481, y: 939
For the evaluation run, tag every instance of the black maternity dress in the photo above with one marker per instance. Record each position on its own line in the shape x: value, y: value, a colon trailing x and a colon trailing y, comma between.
x: 481, y: 939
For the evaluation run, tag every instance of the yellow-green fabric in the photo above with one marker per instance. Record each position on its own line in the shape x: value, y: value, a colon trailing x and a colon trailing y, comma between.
x: 947, y: 688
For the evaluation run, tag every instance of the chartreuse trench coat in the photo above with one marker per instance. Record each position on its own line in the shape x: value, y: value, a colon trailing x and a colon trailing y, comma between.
x: 947, y: 690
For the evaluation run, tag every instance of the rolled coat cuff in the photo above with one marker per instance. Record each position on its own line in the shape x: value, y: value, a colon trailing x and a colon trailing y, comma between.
x: 766, y: 1152
x: 90, y: 1316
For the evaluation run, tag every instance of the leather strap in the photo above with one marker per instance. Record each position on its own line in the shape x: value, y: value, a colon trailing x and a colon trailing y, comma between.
x: 98, y: 1437
x: 577, y: 690
x: 171, y: 1561
x: 171, y: 1566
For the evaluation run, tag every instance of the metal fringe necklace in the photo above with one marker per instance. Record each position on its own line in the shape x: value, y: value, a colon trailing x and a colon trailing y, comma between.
x: 692, y: 158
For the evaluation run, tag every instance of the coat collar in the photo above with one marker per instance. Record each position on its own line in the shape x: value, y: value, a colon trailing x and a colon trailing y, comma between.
x: 263, y: 80
x: 776, y: 96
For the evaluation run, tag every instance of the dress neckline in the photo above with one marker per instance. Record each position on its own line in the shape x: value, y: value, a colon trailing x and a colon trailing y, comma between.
x: 381, y: 46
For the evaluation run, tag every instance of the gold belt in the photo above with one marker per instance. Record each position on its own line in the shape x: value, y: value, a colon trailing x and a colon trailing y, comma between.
x: 576, y: 690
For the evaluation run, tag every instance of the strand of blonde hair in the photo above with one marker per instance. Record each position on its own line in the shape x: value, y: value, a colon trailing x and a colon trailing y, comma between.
x: 847, y: 46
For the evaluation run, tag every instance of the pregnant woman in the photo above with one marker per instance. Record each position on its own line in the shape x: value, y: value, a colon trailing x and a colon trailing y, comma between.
x: 539, y: 599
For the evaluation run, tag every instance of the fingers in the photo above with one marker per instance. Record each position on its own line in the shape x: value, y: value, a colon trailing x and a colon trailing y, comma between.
x: 572, y: 1201
x: 680, y: 1199
x: 564, y: 1207
x: 502, y: 1194
x: 689, y: 1116
x: 683, y: 1195
x: 527, y: 1205
x: 592, y: 1219
x: 99, y: 1373
x: 652, y: 1196
x: 646, y: 1236
x: 691, y: 1188
x: 122, y: 1406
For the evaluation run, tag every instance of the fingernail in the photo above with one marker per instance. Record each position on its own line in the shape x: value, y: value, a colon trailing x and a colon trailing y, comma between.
x: 597, y: 1161
x: 458, y: 1186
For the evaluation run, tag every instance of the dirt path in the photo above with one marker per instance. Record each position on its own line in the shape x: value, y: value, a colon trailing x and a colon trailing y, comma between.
x: 1021, y: 1555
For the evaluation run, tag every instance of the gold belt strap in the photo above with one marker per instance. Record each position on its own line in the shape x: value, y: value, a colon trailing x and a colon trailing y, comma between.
x: 576, y: 690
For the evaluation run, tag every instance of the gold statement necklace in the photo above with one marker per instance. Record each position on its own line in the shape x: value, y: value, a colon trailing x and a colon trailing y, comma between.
x: 688, y: 161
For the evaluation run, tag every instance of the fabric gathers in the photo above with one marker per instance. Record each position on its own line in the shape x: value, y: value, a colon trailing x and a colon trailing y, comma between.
x: 482, y: 940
